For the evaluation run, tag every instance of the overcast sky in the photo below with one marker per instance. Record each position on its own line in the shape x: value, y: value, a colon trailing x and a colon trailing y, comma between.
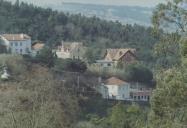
x: 147, y: 3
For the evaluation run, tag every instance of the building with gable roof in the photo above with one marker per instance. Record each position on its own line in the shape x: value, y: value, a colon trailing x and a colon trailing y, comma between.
x: 37, y: 47
x: 125, y: 56
x: 117, y: 89
x: 113, y: 57
x: 17, y: 43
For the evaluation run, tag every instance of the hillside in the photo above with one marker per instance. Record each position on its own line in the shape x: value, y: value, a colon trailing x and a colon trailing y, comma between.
x: 52, y: 27
x: 123, y: 14
x: 32, y: 97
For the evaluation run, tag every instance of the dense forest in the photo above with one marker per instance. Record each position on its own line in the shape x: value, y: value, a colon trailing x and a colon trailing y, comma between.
x: 52, y: 27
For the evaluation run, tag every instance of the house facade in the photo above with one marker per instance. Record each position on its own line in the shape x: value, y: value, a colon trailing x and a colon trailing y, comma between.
x: 17, y: 43
x: 116, y: 89
x: 73, y: 50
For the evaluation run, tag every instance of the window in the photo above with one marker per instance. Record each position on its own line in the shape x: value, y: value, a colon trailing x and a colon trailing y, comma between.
x: 109, y: 65
x: 16, y: 50
x: 21, y: 50
x: 145, y: 97
x: 20, y: 43
x: 134, y: 97
x: 16, y: 44
x: 142, y: 97
x: 123, y: 96
x: 138, y: 97
x: 11, y: 44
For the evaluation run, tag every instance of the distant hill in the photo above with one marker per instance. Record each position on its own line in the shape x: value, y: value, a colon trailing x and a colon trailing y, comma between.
x: 124, y: 14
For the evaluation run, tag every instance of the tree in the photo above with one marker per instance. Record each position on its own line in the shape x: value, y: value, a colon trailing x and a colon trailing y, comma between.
x: 52, y: 26
x: 171, y: 14
x: 126, y: 117
x: 46, y: 57
x: 41, y: 101
x: 92, y: 54
x: 138, y: 73
x: 168, y: 103
x: 72, y: 65
x: 166, y: 51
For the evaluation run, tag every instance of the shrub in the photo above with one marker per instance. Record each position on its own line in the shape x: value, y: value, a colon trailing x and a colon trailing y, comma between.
x: 138, y: 73
x: 72, y: 65
x: 15, y: 63
x: 46, y: 57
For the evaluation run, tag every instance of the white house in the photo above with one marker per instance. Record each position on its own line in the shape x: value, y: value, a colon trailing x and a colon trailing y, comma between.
x: 17, y: 43
x: 116, y: 89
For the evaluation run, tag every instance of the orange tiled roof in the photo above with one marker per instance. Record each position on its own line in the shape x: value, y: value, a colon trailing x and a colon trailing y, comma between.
x: 114, y: 81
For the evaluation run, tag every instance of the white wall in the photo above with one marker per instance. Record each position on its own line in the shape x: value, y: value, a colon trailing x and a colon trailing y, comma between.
x: 20, y: 47
x: 121, y: 92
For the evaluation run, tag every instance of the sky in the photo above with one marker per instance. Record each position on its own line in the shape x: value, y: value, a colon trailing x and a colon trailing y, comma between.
x: 144, y: 3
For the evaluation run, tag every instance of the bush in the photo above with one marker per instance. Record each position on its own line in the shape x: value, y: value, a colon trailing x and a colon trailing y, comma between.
x: 72, y: 65
x: 138, y: 73
x: 15, y: 63
x: 46, y: 57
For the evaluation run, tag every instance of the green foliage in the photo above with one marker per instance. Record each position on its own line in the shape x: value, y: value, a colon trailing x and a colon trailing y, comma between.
x: 184, y: 47
x: 52, y: 27
x: 138, y: 73
x: 169, y: 102
x: 46, y: 57
x: 126, y: 117
x: 35, y: 99
x: 166, y: 51
x: 170, y: 15
x: 72, y: 65
x: 92, y: 54
x: 15, y: 63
